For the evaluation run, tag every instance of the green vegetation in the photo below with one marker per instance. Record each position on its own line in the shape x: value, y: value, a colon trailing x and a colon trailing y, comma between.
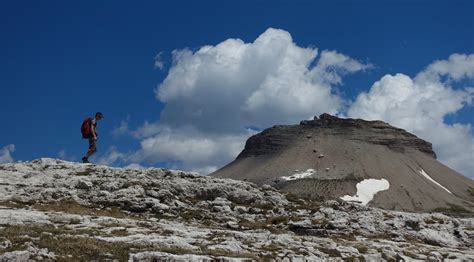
x: 86, y: 172
x: 72, y: 207
x: 331, y: 252
x: 63, y: 242
x: 452, y: 209
x: 265, y: 224
x: 471, y: 191
x: 362, y: 248
x: 434, y: 220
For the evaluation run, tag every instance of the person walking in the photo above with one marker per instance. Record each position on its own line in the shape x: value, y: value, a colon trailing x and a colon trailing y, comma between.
x: 89, y: 131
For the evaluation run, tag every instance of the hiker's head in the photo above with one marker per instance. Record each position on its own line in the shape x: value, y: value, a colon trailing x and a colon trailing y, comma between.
x: 99, y: 116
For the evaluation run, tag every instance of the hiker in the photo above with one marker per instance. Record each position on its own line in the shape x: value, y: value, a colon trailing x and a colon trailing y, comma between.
x: 89, y: 131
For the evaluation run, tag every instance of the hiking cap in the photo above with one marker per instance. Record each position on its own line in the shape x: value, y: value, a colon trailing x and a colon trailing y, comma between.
x: 99, y: 114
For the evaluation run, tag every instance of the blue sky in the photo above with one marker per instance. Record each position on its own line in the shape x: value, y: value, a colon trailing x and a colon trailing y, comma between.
x: 64, y: 60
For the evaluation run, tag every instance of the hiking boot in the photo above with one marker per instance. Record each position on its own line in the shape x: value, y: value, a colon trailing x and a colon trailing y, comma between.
x: 85, y: 160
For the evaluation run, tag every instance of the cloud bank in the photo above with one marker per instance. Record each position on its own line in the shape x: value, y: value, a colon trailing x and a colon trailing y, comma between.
x: 214, y: 97
x: 5, y: 154
x: 217, y: 96
x: 421, y: 104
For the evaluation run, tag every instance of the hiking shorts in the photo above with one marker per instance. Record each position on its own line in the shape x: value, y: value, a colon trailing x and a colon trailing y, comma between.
x: 92, y: 144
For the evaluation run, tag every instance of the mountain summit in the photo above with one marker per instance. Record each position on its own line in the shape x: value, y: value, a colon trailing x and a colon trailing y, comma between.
x: 354, y: 160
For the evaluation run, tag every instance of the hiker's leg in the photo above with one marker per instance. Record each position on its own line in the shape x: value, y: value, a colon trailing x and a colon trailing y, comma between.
x: 92, y: 148
x: 89, y: 153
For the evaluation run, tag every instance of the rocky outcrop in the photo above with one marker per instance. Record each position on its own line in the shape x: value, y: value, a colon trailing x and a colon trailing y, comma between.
x: 56, y: 210
x: 344, y: 152
x: 278, y: 138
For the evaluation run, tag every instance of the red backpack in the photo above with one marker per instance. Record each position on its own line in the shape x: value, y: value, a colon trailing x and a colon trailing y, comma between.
x: 86, y: 128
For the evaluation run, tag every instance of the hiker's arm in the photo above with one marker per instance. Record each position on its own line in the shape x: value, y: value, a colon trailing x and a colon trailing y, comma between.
x: 94, y: 135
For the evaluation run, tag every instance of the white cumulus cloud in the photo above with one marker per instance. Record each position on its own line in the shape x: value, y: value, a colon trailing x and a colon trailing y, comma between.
x: 214, y: 94
x: 187, y: 148
x: 5, y: 154
x: 159, y: 63
x: 111, y: 157
x: 122, y: 129
x: 421, y: 104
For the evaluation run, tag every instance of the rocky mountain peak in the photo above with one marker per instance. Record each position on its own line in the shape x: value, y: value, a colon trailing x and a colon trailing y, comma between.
x: 328, y: 157
x: 374, y: 132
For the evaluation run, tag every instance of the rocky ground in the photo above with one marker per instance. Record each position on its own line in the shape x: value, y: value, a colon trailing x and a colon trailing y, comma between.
x: 56, y: 210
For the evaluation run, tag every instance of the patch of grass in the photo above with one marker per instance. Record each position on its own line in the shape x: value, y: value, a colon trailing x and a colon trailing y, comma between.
x: 294, y: 198
x: 410, y: 254
x: 255, y: 225
x: 83, y: 173
x: 411, y: 239
x: 84, y: 248
x: 278, y: 220
x: 119, y: 232
x: 72, y: 207
x: 434, y: 220
x: 471, y: 191
x: 272, y: 248
x: 348, y: 237
x: 320, y: 222
x: 386, y: 236
x: 452, y: 209
x: 248, y: 224
x: 296, y: 218
x: 177, y: 250
x: 264, y: 206
x: 167, y: 232
x: 128, y: 184
x: 220, y: 252
x: 362, y: 248
x: 298, y: 203
x: 208, y: 194
x: 242, y: 200
x: 67, y: 244
x: 193, y: 214
x: 331, y: 252
x: 13, y: 204
x: 89, y: 231
x: 388, y: 215
x: 354, y: 259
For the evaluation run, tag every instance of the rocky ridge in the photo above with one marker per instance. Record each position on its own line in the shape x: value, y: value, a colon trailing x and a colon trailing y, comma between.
x: 57, y: 210
x: 277, y: 138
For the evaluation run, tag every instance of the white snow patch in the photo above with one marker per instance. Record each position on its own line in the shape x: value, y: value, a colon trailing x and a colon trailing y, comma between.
x: 432, y: 180
x: 366, y: 190
x: 301, y: 175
